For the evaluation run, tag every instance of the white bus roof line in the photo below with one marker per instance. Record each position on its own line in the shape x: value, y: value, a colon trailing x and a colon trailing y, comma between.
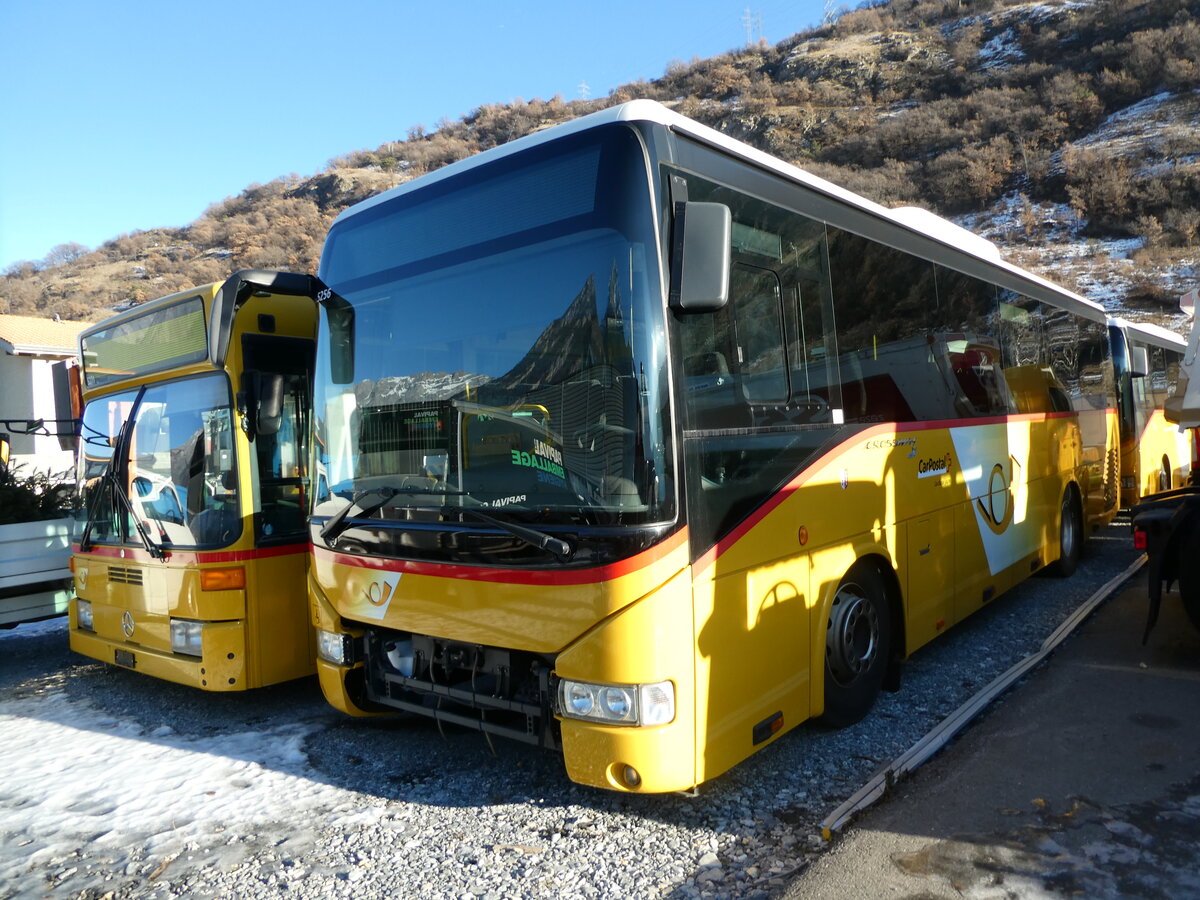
x: 914, y: 219
x: 1154, y: 333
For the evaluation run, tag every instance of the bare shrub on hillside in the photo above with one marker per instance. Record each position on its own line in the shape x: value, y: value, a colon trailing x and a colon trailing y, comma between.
x: 64, y: 253
x: 969, y: 178
x: 21, y: 295
x: 1069, y: 95
x: 892, y: 183
x: 1182, y: 226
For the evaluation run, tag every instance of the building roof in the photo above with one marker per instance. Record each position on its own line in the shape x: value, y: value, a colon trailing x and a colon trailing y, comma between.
x: 30, y: 335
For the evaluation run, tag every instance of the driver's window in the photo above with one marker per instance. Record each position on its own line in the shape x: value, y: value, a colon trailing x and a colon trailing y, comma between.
x: 181, y: 474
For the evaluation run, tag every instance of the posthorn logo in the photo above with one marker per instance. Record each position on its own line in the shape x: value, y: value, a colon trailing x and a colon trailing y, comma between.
x: 996, y: 506
x: 379, y: 593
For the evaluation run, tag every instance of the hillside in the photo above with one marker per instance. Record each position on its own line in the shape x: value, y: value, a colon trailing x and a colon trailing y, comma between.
x: 1066, y: 131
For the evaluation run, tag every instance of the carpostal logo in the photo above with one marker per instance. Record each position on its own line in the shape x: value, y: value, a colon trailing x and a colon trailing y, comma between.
x: 931, y: 468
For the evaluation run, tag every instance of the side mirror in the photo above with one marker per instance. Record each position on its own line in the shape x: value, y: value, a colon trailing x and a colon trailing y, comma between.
x: 700, y: 257
x: 235, y: 291
x: 1139, y: 362
x: 339, y: 315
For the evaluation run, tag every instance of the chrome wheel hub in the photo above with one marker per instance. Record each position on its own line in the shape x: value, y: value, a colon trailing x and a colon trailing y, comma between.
x: 852, y: 639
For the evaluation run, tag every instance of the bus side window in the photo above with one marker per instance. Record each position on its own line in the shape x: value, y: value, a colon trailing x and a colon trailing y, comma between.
x: 966, y: 325
x: 886, y: 307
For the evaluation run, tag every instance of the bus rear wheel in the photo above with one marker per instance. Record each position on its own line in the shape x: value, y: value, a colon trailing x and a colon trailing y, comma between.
x: 857, y: 646
x: 1070, y: 536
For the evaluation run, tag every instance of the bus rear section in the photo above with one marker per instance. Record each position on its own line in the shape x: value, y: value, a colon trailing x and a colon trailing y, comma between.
x: 192, y: 556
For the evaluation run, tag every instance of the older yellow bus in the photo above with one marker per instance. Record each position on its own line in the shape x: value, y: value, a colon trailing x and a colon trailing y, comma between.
x: 194, y: 473
x: 647, y: 447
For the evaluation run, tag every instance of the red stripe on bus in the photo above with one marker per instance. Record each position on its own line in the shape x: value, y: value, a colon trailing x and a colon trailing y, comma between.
x: 194, y: 557
x: 542, y: 577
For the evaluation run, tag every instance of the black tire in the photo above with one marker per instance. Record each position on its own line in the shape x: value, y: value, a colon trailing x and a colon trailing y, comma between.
x: 1189, y: 576
x: 1070, y: 536
x: 858, y: 642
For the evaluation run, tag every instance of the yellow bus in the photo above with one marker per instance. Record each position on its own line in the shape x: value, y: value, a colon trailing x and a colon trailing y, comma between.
x: 1156, y: 455
x: 193, y: 468
x: 647, y: 447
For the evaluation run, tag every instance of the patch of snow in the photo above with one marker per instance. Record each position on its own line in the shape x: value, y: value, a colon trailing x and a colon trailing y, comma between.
x: 1003, y: 49
x: 1139, y: 110
x: 1102, y: 270
x: 135, y: 795
x: 1145, y: 128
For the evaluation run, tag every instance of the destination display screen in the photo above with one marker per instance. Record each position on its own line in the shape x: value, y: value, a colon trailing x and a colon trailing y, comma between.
x: 158, y: 340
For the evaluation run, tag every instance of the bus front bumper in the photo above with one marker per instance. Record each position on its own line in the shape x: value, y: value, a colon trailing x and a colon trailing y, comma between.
x: 221, y: 667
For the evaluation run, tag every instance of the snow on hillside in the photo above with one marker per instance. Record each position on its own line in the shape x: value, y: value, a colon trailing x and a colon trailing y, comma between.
x: 1047, y: 238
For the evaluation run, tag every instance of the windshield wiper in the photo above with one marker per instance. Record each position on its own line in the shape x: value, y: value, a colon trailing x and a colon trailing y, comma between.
x: 361, y: 506
x: 152, y: 548
x: 358, y: 506
x: 110, y: 475
x: 557, y: 547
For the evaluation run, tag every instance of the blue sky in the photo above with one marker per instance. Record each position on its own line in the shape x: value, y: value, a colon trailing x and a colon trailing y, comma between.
x: 130, y: 115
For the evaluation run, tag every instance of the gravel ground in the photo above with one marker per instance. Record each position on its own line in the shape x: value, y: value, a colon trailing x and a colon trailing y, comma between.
x: 390, y: 808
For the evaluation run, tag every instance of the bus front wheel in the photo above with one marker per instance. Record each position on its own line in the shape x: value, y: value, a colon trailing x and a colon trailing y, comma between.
x: 857, y: 646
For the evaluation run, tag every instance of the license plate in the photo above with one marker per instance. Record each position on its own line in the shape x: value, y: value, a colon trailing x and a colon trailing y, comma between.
x: 126, y: 659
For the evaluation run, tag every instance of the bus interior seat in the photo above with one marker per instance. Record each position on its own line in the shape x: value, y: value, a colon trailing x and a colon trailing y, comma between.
x: 619, y: 491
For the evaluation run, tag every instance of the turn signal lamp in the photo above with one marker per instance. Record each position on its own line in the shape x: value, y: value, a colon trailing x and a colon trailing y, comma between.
x: 231, y: 579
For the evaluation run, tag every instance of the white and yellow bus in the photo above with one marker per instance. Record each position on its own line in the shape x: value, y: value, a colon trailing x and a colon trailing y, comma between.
x: 1156, y: 455
x: 193, y: 465
x: 647, y: 447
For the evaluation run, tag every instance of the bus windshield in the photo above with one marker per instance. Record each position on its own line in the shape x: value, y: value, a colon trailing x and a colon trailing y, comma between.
x: 507, y: 345
x: 176, y: 470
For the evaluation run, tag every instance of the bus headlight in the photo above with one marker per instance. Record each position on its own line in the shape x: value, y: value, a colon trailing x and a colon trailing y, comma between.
x: 83, y: 615
x: 186, y: 637
x: 335, y: 647
x: 617, y: 704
